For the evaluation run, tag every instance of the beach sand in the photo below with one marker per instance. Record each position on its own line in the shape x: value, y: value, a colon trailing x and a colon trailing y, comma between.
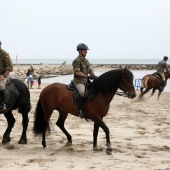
x: 139, y: 133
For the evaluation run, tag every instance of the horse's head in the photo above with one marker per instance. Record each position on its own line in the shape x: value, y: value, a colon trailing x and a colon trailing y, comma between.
x: 126, y: 83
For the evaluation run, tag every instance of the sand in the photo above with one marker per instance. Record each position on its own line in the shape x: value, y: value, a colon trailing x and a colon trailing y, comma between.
x: 139, y: 133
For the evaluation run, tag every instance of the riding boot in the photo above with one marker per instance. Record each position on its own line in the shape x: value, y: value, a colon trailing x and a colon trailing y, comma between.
x: 3, y: 105
x: 81, y: 114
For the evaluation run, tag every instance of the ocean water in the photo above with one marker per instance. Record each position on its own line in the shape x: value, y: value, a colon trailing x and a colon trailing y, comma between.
x: 138, y: 75
x: 92, y: 61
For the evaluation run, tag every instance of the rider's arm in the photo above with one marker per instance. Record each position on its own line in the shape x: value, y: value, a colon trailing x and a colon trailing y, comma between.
x: 92, y: 73
x: 167, y: 68
x: 80, y: 74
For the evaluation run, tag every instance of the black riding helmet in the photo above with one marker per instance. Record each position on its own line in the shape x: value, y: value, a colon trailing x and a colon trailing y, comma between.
x: 165, y: 58
x: 82, y: 47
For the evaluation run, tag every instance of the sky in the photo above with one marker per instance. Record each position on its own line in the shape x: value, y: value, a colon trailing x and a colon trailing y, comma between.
x: 112, y: 29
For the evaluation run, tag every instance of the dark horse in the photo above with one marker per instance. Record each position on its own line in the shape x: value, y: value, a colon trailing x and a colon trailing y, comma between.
x: 151, y: 81
x: 18, y: 97
x: 58, y: 96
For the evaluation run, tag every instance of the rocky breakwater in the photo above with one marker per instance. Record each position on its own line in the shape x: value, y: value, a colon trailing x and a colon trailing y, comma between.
x: 43, y: 70
x: 129, y: 66
x: 49, y: 70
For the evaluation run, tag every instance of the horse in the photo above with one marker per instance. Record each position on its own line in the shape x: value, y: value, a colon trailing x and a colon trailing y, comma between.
x: 152, y: 81
x: 58, y: 97
x: 18, y: 97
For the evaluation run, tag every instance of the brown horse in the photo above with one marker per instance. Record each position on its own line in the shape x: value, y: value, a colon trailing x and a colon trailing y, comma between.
x: 151, y: 81
x: 58, y: 96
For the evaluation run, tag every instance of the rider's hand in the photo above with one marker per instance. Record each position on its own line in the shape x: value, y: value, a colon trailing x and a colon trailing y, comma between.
x: 91, y: 77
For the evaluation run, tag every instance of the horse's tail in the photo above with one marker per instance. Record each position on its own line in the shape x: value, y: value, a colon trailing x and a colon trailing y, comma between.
x: 145, y: 82
x: 40, y: 125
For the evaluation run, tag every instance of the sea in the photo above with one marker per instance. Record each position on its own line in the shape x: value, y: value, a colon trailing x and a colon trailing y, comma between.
x: 138, y: 74
x: 66, y: 79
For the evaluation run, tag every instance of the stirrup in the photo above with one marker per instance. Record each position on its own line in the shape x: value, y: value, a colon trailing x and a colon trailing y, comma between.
x: 81, y: 115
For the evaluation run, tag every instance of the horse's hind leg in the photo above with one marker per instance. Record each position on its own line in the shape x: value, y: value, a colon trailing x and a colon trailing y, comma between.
x: 144, y: 92
x: 11, y: 120
x: 25, y: 120
x: 60, y: 123
x: 159, y: 95
x: 141, y: 92
x: 153, y: 91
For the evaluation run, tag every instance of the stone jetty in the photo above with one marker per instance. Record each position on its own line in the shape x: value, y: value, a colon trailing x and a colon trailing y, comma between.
x: 49, y: 70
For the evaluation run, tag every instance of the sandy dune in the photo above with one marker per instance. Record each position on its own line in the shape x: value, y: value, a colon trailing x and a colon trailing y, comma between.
x: 139, y: 132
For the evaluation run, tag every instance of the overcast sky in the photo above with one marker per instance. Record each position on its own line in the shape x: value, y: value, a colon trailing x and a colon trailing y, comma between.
x: 111, y: 28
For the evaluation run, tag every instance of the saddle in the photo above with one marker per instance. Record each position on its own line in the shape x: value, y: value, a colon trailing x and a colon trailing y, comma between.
x: 77, y: 99
x: 157, y: 75
x: 161, y: 82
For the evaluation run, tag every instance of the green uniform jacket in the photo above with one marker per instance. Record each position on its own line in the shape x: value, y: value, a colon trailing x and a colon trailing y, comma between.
x: 5, y: 62
x: 83, y: 65
x: 162, y: 65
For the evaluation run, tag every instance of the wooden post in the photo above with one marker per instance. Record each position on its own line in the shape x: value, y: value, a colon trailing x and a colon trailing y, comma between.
x: 16, y: 59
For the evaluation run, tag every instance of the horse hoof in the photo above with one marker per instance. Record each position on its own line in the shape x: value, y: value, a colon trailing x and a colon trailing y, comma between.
x: 22, y: 141
x: 68, y: 143
x: 95, y: 148
x: 6, y: 140
x: 109, y: 152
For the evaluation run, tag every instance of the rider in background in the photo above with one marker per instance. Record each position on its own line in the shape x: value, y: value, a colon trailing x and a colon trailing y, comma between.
x: 6, y: 67
x: 162, y: 65
x: 82, y: 69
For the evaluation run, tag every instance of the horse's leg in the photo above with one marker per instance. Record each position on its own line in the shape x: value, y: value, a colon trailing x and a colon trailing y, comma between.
x: 144, y: 92
x: 106, y: 130
x: 153, y: 91
x: 159, y: 95
x: 141, y: 92
x: 11, y: 120
x: 60, y: 123
x: 95, y: 134
x: 43, y: 140
x: 25, y: 120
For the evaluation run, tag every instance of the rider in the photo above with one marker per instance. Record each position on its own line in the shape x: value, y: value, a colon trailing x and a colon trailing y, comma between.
x: 162, y: 65
x: 6, y: 67
x: 82, y: 68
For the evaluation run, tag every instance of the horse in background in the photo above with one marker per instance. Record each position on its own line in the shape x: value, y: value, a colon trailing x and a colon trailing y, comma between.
x: 18, y: 97
x: 58, y: 97
x: 151, y: 81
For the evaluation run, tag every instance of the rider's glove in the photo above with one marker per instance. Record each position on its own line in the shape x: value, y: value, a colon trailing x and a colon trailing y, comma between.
x: 90, y: 77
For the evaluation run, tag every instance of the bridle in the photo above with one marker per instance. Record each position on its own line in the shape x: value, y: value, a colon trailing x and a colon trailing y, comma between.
x: 125, y: 93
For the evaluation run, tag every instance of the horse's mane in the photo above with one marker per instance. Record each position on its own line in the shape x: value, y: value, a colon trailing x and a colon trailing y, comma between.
x: 109, y: 81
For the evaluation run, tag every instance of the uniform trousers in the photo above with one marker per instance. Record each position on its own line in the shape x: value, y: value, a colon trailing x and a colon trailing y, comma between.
x: 81, y: 89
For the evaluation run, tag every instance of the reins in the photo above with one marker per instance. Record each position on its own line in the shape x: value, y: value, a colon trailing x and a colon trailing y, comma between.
x: 123, y: 94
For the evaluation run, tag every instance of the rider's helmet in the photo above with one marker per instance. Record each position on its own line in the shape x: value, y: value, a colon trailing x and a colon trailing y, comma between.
x: 165, y: 58
x: 82, y: 46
